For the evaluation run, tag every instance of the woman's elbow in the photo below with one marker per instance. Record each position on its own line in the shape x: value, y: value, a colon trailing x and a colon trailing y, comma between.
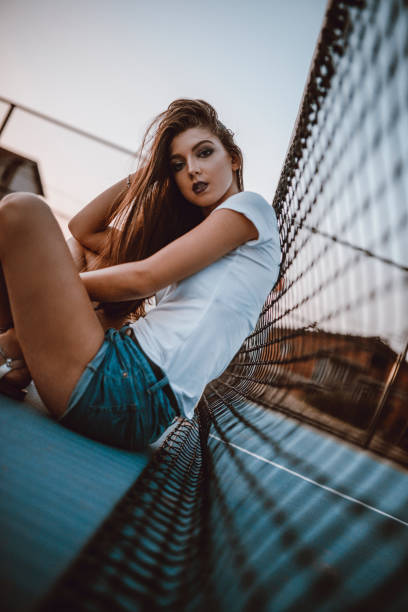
x: 77, y: 229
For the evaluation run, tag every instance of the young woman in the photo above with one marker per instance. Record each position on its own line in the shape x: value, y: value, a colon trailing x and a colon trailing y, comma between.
x: 182, y: 230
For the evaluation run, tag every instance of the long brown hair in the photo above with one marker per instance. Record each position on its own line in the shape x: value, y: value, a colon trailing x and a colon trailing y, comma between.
x: 152, y: 212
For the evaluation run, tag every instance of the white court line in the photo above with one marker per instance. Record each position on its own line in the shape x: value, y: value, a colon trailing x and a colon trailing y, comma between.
x: 317, y: 484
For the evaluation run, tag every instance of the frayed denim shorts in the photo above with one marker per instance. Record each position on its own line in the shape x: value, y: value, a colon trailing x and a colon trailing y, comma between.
x: 122, y: 398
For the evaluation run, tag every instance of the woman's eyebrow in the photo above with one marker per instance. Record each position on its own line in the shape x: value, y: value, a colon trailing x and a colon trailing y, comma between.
x: 193, y: 149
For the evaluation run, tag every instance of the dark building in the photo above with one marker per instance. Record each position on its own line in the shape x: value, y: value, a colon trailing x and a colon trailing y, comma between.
x: 340, y: 376
x: 18, y: 173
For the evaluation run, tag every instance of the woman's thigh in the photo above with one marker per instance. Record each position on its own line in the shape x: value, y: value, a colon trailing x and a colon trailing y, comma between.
x: 56, y: 326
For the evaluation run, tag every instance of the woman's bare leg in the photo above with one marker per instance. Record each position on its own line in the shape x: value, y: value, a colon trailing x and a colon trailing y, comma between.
x: 21, y: 377
x: 81, y: 257
x: 56, y: 326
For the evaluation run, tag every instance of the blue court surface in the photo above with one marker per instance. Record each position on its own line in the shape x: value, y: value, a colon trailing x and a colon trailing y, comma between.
x: 322, y: 525
x: 298, y: 520
x: 56, y: 488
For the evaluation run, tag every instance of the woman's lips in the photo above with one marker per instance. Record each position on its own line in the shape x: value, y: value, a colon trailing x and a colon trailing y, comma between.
x: 199, y: 187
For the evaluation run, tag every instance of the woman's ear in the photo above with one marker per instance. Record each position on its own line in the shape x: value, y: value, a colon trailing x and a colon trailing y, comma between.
x: 235, y: 162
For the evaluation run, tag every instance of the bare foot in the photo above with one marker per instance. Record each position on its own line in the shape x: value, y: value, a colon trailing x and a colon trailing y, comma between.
x: 19, y: 377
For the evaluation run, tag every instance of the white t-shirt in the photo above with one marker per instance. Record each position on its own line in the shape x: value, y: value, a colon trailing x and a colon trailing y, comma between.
x: 199, y: 323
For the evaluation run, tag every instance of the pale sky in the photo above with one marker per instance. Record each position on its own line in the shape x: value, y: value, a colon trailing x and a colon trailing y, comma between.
x: 109, y: 67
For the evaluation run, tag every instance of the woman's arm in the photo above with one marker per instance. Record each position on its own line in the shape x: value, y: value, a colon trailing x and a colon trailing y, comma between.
x: 89, y: 226
x: 214, y: 237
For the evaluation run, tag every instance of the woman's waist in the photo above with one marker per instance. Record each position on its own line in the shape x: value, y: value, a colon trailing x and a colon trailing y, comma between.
x: 158, y: 372
x: 190, y: 363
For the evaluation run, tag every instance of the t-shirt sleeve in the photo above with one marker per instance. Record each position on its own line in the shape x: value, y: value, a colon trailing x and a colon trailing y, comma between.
x: 257, y: 210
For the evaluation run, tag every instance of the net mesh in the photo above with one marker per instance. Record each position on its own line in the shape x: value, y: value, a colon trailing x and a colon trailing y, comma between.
x: 209, y: 523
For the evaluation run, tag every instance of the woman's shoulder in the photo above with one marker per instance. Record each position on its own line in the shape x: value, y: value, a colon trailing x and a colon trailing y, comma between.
x: 244, y: 201
x: 247, y: 196
x: 262, y: 215
x: 254, y: 206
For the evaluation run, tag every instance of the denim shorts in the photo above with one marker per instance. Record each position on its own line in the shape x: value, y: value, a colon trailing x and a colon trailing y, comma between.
x: 122, y: 397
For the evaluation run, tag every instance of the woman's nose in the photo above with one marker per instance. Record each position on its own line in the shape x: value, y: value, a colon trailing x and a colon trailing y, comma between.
x: 193, y: 167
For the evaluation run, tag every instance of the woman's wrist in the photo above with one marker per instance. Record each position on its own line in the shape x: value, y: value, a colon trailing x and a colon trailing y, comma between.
x: 118, y: 283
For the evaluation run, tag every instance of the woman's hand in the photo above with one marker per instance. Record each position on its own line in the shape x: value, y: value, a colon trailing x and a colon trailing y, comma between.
x: 84, y: 258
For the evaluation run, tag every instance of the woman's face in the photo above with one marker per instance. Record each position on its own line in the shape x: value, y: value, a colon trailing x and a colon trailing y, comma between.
x: 203, y: 170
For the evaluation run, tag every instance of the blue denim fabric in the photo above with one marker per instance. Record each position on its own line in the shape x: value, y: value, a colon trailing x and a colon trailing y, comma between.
x: 118, y: 399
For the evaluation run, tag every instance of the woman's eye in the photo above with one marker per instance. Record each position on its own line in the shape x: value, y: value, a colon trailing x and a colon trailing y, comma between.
x: 205, y: 152
x: 177, y: 166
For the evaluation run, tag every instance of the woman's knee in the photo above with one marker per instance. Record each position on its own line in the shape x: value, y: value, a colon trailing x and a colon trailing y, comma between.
x: 23, y: 198
x: 19, y: 207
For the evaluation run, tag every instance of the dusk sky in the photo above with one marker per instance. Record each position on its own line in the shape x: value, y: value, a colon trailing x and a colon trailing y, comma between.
x: 109, y: 67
